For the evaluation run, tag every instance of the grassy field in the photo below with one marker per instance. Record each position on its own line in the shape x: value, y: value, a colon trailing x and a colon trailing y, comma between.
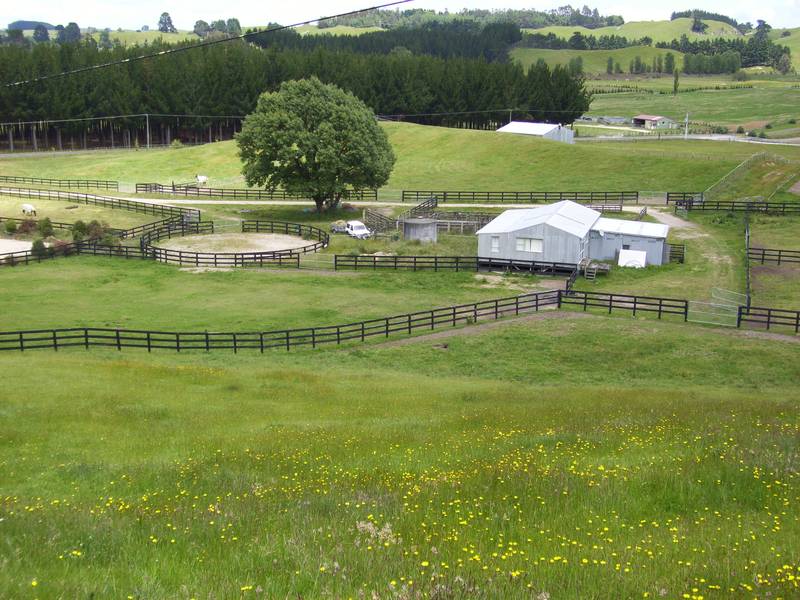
x: 763, y: 178
x: 499, y: 466
x: 660, y: 31
x: 441, y: 158
x: 750, y: 108
x: 129, y: 38
x: 594, y: 61
x: 775, y: 285
x: 337, y: 30
x: 84, y: 291
x: 792, y: 41
x: 68, y: 212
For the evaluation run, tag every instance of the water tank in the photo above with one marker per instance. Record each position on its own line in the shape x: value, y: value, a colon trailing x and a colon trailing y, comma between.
x: 420, y: 229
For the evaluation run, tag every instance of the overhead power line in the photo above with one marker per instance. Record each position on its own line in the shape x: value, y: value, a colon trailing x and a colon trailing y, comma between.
x: 200, y: 45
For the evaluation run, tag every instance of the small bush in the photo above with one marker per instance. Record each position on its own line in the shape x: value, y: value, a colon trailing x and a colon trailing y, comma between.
x: 176, y: 144
x: 39, y: 250
x: 11, y: 227
x: 740, y: 129
x: 792, y: 121
x: 768, y: 126
x: 26, y: 227
x: 740, y: 76
x: 45, y: 227
x: 761, y: 134
x: 95, y: 230
x: 752, y: 133
x: 79, y: 231
x: 109, y: 240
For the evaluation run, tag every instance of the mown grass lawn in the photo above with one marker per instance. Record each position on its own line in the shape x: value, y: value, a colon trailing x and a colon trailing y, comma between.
x: 64, y: 211
x: 582, y: 457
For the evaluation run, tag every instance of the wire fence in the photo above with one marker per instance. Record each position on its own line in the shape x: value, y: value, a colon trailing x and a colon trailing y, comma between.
x: 99, y: 184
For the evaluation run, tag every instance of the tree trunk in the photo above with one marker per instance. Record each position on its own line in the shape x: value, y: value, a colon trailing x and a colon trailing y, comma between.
x: 320, y: 202
x: 11, y: 139
x: 58, y: 139
x: 33, y: 138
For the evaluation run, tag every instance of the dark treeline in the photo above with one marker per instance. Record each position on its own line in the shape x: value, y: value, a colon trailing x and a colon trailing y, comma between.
x: 757, y: 50
x: 704, y: 14
x: 460, y: 38
x: 527, y: 18
x: 702, y: 64
x: 227, y: 79
x: 578, y: 41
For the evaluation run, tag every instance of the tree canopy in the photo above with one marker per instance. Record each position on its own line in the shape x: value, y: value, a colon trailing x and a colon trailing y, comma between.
x: 316, y: 138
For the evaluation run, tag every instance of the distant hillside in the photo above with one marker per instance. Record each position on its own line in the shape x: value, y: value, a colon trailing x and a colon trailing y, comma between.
x: 659, y: 31
x: 29, y: 25
x: 594, y: 61
x: 792, y: 41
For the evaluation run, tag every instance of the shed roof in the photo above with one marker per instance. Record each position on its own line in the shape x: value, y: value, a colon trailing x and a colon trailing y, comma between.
x: 527, y: 128
x: 653, y: 230
x: 650, y: 118
x: 565, y: 215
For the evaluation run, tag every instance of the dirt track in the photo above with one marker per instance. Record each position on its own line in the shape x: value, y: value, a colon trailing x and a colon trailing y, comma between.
x: 234, y: 242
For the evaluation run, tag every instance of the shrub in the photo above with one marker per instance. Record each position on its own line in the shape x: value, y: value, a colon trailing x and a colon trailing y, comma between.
x: 761, y: 134
x: 95, y: 230
x: 45, y: 227
x: 109, y: 240
x: 176, y: 144
x: 78, y: 231
x: 39, y: 250
x: 11, y: 227
x: 792, y: 121
x: 768, y: 126
x: 740, y: 129
x: 740, y: 76
x: 27, y: 226
x: 752, y: 133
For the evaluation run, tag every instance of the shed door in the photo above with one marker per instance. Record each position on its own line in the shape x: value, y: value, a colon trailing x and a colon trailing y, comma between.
x: 584, y: 252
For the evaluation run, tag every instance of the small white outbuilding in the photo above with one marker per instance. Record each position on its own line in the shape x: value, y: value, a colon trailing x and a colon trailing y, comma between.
x: 548, y: 131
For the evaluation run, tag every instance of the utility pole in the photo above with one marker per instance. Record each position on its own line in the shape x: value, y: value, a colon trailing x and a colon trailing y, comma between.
x: 147, y: 119
x: 686, y: 127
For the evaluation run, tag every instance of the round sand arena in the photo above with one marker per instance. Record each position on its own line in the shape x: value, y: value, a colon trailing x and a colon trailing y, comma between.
x: 9, y: 246
x: 233, y: 243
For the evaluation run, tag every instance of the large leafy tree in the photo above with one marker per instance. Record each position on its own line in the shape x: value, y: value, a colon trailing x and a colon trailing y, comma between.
x: 165, y: 23
x: 316, y: 138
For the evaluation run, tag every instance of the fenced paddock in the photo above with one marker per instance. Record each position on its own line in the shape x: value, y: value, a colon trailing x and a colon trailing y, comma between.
x: 187, y: 214
x: 773, y: 255
x: 194, y: 191
x: 768, y: 317
x: 777, y: 208
x: 446, y: 263
x: 635, y: 304
x: 97, y: 184
x: 287, y: 339
x: 596, y: 198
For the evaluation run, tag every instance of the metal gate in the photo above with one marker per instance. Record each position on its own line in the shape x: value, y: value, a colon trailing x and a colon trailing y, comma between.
x: 722, y: 310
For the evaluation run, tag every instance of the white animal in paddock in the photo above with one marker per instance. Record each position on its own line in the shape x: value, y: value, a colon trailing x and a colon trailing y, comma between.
x: 201, y: 179
x: 28, y: 209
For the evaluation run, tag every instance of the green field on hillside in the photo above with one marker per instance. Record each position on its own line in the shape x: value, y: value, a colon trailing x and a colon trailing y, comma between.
x: 547, y: 457
x: 337, y: 30
x: 792, y: 41
x: 659, y: 31
x: 442, y: 158
x: 750, y: 108
x: 594, y: 61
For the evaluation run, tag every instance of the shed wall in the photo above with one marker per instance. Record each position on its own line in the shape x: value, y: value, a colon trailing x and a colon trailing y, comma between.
x: 607, y: 246
x: 557, y: 245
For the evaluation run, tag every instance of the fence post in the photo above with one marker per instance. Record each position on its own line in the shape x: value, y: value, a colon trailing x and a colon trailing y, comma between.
x: 119, y: 345
x: 148, y: 341
x: 739, y: 318
x: 235, y: 348
x: 207, y: 341
x: 55, y: 341
x: 288, y: 345
x: 559, y: 300
x: 86, y: 337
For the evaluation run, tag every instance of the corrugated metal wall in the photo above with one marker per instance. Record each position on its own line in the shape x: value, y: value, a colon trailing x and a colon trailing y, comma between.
x: 557, y: 245
x: 607, y: 246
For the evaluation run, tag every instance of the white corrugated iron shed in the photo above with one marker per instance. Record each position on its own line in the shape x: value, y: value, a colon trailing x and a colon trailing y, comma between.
x: 527, y: 128
x: 638, y: 228
x: 565, y: 215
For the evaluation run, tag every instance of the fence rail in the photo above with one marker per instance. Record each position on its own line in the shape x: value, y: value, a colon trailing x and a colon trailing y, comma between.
x: 190, y: 214
x: 445, y: 263
x: 521, y: 197
x: 783, y: 208
x: 776, y: 255
x: 98, y: 184
x: 681, y: 197
x: 243, y: 193
x: 677, y: 253
x: 407, y: 323
x: 769, y: 317
x: 635, y: 304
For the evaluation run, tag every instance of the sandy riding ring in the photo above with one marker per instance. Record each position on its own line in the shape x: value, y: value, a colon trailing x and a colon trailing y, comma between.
x: 272, y: 243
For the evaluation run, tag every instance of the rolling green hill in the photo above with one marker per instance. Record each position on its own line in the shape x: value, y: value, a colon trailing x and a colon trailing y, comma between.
x: 594, y: 61
x: 438, y: 157
x: 660, y: 31
x: 792, y: 42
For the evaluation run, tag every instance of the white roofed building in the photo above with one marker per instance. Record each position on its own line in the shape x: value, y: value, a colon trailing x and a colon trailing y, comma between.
x: 548, y: 131
x: 567, y: 232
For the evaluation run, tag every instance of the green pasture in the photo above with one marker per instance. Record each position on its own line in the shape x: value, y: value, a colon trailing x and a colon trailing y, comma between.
x: 774, y: 285
x: 659, y: 31
x: 129, y: 38
x: 63, y: 211
x: 792, y: 41
x: 594, y: 61
x: 624, y: 456
x: 442, y: 158
x: 336, y: 30
x: 750, y: 108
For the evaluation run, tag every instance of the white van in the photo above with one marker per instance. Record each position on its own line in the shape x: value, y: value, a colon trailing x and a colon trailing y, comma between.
x: 358, y: 230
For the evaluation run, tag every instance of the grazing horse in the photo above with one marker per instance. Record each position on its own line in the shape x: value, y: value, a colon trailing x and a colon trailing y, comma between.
x: 28, y: 209
x: 201, y: 179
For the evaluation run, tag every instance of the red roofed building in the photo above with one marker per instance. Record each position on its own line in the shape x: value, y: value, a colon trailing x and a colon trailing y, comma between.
x: 653, y: 122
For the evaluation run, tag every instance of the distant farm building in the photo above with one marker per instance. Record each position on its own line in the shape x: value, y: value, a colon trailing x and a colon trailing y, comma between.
x: 653, y: 122
x: 548, y: 131
x: 568, y: 232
